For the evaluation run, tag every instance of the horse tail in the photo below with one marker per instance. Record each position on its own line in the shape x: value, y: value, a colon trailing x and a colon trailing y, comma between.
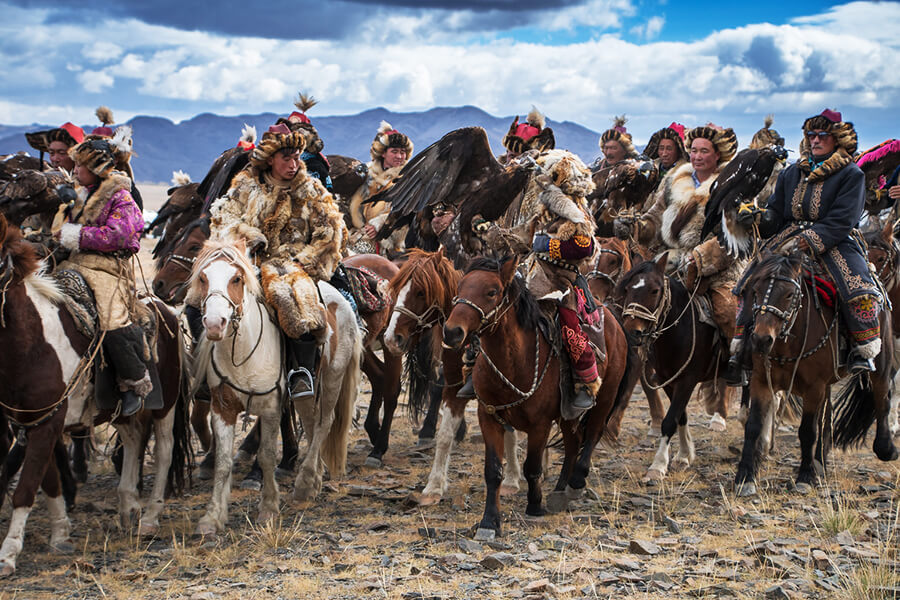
x: 854, y: 412
x: 418, y: 368
x: 334, y: 449
x: 633, y: 367
x: 182, y: 450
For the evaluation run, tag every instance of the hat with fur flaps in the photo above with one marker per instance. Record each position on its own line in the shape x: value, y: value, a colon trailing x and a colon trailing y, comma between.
x: 766, y: 136
x: 299, y: 121
x: 530, y: 135
x: 388, y: 137
x: 832, y: 122
x: 277, y: 137
x: 618, y: 133
x: 724, y: 140
x: 674, y: 132
x: 66, y: 133
x: 101, y: 154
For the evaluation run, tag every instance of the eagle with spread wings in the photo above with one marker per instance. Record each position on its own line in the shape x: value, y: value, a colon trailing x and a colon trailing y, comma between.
x: 621, y: 187
x: 457, y: 174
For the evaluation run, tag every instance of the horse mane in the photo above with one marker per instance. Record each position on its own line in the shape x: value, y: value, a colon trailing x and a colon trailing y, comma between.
x: 437, y: 279
x: 214, y: 250
x: 645, y: 267
x: 874, y: 240
x: 773, y: 265
x: 27, y: 267
x: 528, y: 312
x: 169, y: 246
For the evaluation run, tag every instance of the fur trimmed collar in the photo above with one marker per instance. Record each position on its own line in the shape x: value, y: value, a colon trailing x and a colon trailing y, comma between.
x: 88, y: 208
x: 832, y: 164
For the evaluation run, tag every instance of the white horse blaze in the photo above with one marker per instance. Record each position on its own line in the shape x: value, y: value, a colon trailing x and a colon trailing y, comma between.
x: 395, y: 316
x: 217, y: 308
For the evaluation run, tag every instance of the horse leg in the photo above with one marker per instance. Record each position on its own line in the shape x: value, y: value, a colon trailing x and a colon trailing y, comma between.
x: 824, y: 434
x: 374, y: 370
x: 200, y: 423
x: 537, y: 441
x: 492, y: 432
x: 686, y: 453
x: 452, y: 414
x: 558, y: 500
x: 512, y: 474
x: 715, y: 398
x: 390, y: 390
x: 11, y: 465
x: 758, y: 411
x: 81, y: 446
x: 130, y: 434
x: 675, y: 418
x: 38, y: 456
x: 883, y: 445
x: 253, y: 479
x: 217, y: 512
x: 60, y: 527
x: 289, y: 443
x: 162, y: 458
x: 250, y: 446
x: 807, y: 435
x: 654, y: 400
x: 429, y: 425
x: 268, y: 438
x: 206, y: 468
x: 66, y: 478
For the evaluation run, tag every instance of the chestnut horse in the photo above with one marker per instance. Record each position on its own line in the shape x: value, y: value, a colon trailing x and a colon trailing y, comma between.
x: 243, y: 362
x: 517, y: 382
x: 682, y: 349
x: 794, y: 341
x: 45, y: 387
x: 884, y: 254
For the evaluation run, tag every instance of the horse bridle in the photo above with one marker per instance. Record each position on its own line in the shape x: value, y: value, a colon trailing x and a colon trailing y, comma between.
x: 657, y: 316
x: 490, y: 318
x: 787, y: 317
x: 185, y: 262
x: 432, y: 316
x: 610, y: 277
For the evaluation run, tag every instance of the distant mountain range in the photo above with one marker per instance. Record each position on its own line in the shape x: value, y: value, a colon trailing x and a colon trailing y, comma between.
x: 162, y: 146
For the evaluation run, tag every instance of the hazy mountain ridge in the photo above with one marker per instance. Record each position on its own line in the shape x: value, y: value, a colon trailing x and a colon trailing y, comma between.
x: 162, y: 146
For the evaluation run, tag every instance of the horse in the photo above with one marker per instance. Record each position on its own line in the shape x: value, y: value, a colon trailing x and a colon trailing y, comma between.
x: 517, y: 382
x: 795, y: 345
x: 242, y: 359
x: 614, y: 259
x: 173, y: 267
x: 45, y: 388
x: 884, y: 254
x: 682, y: 349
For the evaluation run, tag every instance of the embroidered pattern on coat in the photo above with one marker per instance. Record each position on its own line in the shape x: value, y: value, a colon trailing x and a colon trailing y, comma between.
x: 816, y: 201
x: 815, y: 241
x: 854, y: 282
x: 797, y: 201
x: 576, y: 342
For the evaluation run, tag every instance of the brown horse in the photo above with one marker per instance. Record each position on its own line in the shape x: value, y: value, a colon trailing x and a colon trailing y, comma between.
x: 794, y: 340
x: 884, y: 254
x: 517, y: 381
x: 615, y: 258
x: 682, y: 349
x: 173, y: 267
x: 45, y: 387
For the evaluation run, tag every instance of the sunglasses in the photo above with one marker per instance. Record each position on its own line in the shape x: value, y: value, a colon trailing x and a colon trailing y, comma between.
x: 817, y: 134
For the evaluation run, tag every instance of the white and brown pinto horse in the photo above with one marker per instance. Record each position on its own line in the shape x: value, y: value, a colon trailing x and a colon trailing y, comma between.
x: 46, y: 387
x: 242, y: 359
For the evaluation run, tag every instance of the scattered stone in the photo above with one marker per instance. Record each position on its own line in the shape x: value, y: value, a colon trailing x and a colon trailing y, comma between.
x: 820, y: 560
x: 539, y: 585
x: 844, y: 538
x: 672, y: 525
x: 626, y: 564
x: 469, y: 546
x: 485, y: 535
x: 498, y: 560
x: 777, y: 592
x: 203, y: 596
x: 538, y: 556
x: 644, y: 547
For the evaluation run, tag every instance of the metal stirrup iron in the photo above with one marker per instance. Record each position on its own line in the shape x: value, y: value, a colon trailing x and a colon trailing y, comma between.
x: 301, y: 374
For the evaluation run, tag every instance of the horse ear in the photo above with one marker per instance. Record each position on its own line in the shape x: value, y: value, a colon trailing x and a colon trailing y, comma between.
x: 662, y: 261
x: 508, y: 270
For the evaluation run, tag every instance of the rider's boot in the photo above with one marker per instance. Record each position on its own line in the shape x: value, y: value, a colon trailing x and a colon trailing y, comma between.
x: 124, y: 349
x: 467, y: 391
x: 301, y: 356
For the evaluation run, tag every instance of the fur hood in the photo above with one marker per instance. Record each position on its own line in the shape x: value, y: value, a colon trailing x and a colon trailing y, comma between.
x: 86, y: 210
x: 683, y: 218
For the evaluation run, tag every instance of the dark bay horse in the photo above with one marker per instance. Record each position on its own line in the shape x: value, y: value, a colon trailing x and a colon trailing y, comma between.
x: 682, y: 349
x: 794, y: 340
x: 45, y: 387
x: 517, y: 381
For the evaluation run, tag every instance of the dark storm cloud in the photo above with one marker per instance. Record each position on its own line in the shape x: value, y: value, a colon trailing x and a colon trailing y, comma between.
x: 289, y: 19
x: 765, y: 56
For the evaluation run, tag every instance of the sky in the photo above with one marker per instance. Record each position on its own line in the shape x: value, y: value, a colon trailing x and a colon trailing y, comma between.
x: 577, y: 60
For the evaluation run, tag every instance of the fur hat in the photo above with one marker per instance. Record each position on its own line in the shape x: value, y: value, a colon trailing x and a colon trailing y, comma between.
x: 388, y: 137
x: 278, y: 137
x: 530, y: 135
x: 832, y: 122
x: 766, y: 136
x: 619, y: 134
x: 674, y: 132
x: 102, y: 155
x: 724, y: 140
x: 66, y: 133
x: 299, y: 121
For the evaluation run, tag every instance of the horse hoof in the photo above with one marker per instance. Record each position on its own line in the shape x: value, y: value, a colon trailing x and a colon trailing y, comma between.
x: 508, y: 490
x: 265, y: 516
x: 63, y: 547
x: 251, y: 484
x: 803, y: 488
x: 483, y: 534
x: 303, y: 495
x: 205, y: 530
x: 574, y: 493
x: 6, y: 569
x: 653, y: 475
x: 283, y: 473
x: 747, y: 489
x: 557, y: 501
x: 717, y: 423
x: 429, y: 499
x: 373, y: 462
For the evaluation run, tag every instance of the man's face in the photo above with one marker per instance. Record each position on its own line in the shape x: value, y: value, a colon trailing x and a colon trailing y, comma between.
x: 394, y: 157
x: 613, y: 152
x: 85, y: 176
x: 668, y: 152
x: 821, y: 143
x: 59, y: 156
x: 704, y: 157
x: 285, y: 164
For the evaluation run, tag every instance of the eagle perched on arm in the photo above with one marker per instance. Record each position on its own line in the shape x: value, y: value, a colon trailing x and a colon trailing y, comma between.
x: 742, y: 188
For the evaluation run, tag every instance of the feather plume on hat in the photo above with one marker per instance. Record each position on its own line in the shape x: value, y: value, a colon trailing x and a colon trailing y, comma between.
x: 248, y: 134
x: 104, y: 113
x: 304, y: 102
x: 535, y: 118
x: 180, y: 178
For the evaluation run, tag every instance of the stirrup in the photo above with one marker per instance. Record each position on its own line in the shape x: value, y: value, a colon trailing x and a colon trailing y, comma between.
x: 300, y: 383
x: 858, y: 364
x: 583, y: 400
x: 467, y: 391
x: 130, y: 404
x: 735, y: 375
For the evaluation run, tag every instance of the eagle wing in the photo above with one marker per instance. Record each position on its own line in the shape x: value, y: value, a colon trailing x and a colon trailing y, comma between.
x: 347, y: 174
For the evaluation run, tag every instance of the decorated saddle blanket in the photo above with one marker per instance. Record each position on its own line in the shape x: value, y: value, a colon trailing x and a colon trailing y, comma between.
x: 368, y: 289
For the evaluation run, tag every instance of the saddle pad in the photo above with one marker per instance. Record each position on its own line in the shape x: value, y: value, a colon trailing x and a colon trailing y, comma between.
x: 368, y: 289
x: 824, y: 287
x: 79, y: 300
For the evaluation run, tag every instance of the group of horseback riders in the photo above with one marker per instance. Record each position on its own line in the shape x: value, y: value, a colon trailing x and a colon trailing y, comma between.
x: 281, y: 207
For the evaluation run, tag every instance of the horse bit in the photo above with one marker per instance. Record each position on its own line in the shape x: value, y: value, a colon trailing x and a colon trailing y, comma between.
x: 787, y: 317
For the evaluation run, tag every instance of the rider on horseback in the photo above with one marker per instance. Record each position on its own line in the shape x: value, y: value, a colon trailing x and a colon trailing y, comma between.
x: 817, y: 203
x: 294, y: 228
x: 102, y: 228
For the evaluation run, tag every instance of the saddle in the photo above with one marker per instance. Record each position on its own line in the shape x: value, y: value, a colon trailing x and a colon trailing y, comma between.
x: 368, y: 290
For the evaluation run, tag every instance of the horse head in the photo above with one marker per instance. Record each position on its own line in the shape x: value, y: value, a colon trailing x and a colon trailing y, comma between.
x: 645, y: 295
x: 423, y: 294
x: 221, y: 280
x: 773, y: 289
x: 481, y: 299
x: 613, y: 259
x: 173, y: 268
x: 883, y: 254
